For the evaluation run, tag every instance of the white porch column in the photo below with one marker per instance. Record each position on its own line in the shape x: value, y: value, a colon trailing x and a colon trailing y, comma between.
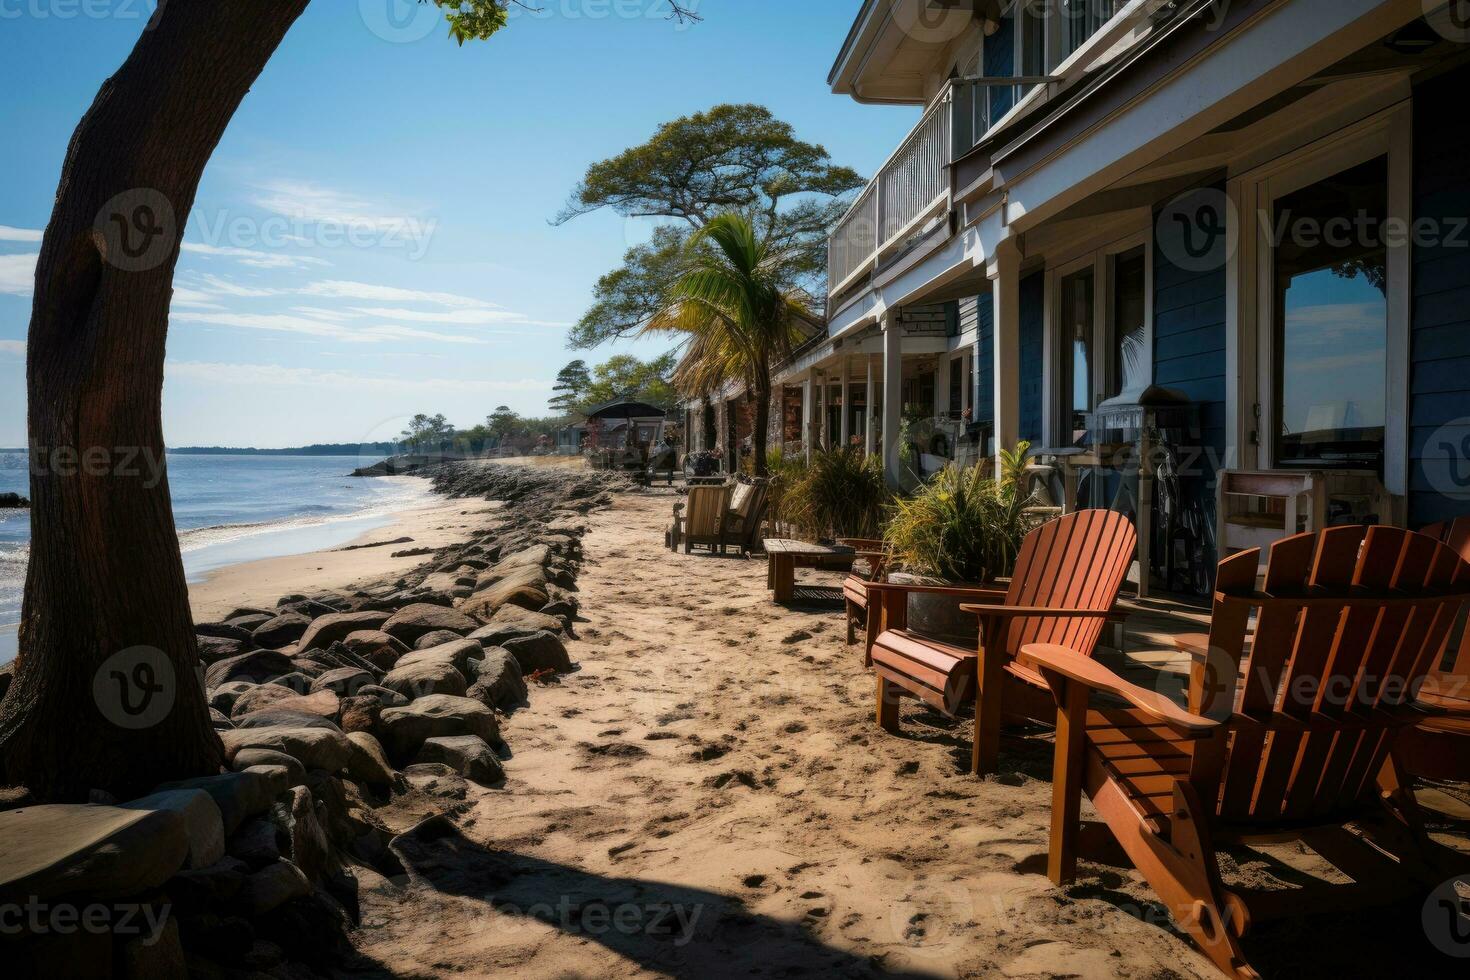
x: 941, y: 386
x: 1006, y: 294
x: 806, y: 416
x: 845, y: 428
x: 868, y: 430
x: 892, y: 396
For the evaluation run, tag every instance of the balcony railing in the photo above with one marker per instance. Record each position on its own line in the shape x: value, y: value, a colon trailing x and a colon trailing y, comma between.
x: 912, y: 189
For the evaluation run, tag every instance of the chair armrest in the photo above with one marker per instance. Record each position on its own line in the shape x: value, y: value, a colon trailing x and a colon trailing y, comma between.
x: 862, y: 544
x: 950, y: 590
x: 1194, y: 644
x: 1050, y: 658
x: 1004, y: 611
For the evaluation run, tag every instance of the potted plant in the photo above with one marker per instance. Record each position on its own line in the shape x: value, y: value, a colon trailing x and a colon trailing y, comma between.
x: 841, y: 494
x: 961, y: 529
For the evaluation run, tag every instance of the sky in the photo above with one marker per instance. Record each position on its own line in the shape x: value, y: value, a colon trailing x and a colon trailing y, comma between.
x: 372, y: 237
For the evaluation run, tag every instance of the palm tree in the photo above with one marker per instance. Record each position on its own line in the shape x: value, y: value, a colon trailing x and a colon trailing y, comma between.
x: 739, y: 312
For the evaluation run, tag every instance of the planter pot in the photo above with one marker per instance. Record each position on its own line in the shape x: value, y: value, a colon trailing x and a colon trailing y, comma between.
x: 938, y: 617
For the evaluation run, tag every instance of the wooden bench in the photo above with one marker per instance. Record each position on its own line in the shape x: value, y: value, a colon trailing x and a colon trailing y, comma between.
x: 784, y: 556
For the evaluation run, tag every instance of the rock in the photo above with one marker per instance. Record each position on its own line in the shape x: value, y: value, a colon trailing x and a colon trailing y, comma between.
x: 250, y: 621
x: 256, y: 667
x: 434, y: 716
x: 213, y: 649
x: 199, y: 888
x: 436, y: 780
x: 219, y: 721
x: 360, y: 713
x: 412, y: 622
x: 240, y: 611
x: 343, y: 682
x: 13, y: 501
x: 299, y: 680
x: 539, y: 651
x: 247, y: 759
x: 434, y: 639
x: 467, y: 755
x: 515, y: 618
x: 522, y: 587
x: 329, y: 629
x: 314, y: 748
x: 376, y: 647
x: 281, y: 630
x: 154, y: 957
x: 258, y: 842
x: 221, y: 938
x: 240, y: 795
x: 323, y: 704
x: 271, y: 887
x: 369, y: 764
x: 390, y: 699
x: 458, y: 653
x: 426, y: 677
x: 296, y: 814
x: 500, y: 683
x: 98, y: 851
x: 561, y: 608
x: 309, y: 608
x: 260, y: 696
x: 223, y: 631
x: 223, y: 698
x: 286, y: 716
x: 202, y: 821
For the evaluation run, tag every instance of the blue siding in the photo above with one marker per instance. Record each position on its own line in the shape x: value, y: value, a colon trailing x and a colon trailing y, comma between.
x: 985, y: 331
x: 1439, y: 358
x: 999, y: 62
x: 1033, y: 329
x: 1189, y: 357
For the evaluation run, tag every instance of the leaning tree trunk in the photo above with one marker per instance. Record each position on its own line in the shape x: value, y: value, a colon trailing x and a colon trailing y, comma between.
x: 107, y: 692
x: 760, y: 438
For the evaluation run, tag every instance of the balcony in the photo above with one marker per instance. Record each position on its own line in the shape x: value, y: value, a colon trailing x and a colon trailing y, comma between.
x: 911, y: 192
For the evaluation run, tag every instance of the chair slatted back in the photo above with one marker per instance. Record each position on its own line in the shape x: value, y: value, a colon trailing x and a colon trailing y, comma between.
x: 706, y: 511
x: 1350, y: 621
x: 1452, y: 680
x: 1077, y: 561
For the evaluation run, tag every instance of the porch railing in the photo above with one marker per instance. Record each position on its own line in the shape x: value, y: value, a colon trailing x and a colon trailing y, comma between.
x: 912, y: 188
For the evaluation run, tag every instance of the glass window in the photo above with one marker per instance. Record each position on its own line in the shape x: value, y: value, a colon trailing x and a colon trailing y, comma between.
x: 1080, y: 20
x: 1077, y: 325
x: 956, y: 386
x: 1127, y: 341
x: 1331, y: 323
x: 1031, y: 16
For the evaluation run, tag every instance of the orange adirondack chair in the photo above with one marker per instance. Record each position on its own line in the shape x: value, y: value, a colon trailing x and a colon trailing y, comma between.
x: 1439, y: 747
x: 855, y: 586
x: 1303, y: 739
x: 1066, y: 580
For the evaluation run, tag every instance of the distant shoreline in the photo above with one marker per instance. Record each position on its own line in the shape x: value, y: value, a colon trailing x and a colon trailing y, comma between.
x: 325, y: 449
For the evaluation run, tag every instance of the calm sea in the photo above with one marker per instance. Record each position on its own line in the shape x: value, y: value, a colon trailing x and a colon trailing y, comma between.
x: 231, y: 509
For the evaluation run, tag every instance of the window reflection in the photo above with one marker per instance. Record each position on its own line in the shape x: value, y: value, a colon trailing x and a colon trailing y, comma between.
x: 1128, y: 331
x: 1077, y: 323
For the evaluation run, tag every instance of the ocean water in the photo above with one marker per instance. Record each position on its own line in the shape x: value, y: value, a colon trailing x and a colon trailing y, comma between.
x: 228, y: 510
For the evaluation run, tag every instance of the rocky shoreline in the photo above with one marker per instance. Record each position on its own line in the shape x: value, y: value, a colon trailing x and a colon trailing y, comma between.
x: 333, y: 709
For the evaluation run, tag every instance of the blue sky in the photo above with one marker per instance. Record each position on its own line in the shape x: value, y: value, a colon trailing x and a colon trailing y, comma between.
x: 371, y: 238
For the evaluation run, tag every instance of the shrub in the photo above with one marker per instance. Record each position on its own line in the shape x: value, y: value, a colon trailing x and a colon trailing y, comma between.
x: 842, y: 493
x: 963, y: 526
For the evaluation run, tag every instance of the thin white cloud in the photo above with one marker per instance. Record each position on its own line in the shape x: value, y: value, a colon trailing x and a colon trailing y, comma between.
x: 311, y: 327
x: 337, y: 289
x: 18, y: 274
x: 315, y: 204
x: 322, y: 313
x: 194, y: 298
x: 459, y: 317
x: 9, y: 234
x: 254, y: 258
x: 16, y: 347
x: 267, y: 375
x: 228, y: 287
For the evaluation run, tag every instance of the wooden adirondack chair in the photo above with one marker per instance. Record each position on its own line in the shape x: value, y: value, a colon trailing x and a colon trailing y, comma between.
x: 704, y: 518
x: 1439, y: 747
x: 1350, y: 618
x: 855, y: 587
x: 745, y: 511
x: 1066, y: 580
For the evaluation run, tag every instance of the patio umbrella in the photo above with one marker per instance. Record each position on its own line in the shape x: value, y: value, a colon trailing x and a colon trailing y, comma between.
x: 626, y: 408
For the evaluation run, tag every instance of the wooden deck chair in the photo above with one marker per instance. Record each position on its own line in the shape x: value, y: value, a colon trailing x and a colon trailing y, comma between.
x: 874, y: 555
x: 746, y: 510
x: 1066, y: 580
x: 1439, y: 747
x: 704, y: 518
x: 1350, y: 619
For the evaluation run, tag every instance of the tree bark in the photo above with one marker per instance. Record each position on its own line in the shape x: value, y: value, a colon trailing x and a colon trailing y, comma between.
x: 108, y: 692
x: 760, y: 438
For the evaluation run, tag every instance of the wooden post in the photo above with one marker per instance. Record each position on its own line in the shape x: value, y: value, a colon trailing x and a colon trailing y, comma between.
x: 845, y: 426
x: 1066, y: 778
x: 892, y: 396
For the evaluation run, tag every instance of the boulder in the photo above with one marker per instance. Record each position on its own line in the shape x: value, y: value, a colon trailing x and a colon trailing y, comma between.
x: 250, y: 621
x: 258, y: 842
x: 539, y: 651
x: 500, y: 683
x: 219, y: 720
x: 331, y: 628
x: 390, y: 699
x: 213, y: 649
x: 202, y: 821
x: 412, y: 622
x: 369, y: 764
x: 287, y: 716
x: 240, y: 611
x: 223, y: 631
x: 257, y: 667
x: 157, y: 956
x: 296, y: 814
x: 425, y: 677
x: 467, y: 755
x: 405, y: 729
x: 458, y: 653
x: 376, y: 647
x: 299, y: 680
x: 309, y: 608
x: 360, y: 713
x: 343, y: 682
x: 281, y: 630
x: 524, y: 587
x: 223, y: 698
x: 98, y: 851
x: 434, y: 639
x: 509, y: 618
x: 323, y: 704
x: 246, y: 759
x: 240, y: 795
x: 271, y: 887
x: 314, y: 748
